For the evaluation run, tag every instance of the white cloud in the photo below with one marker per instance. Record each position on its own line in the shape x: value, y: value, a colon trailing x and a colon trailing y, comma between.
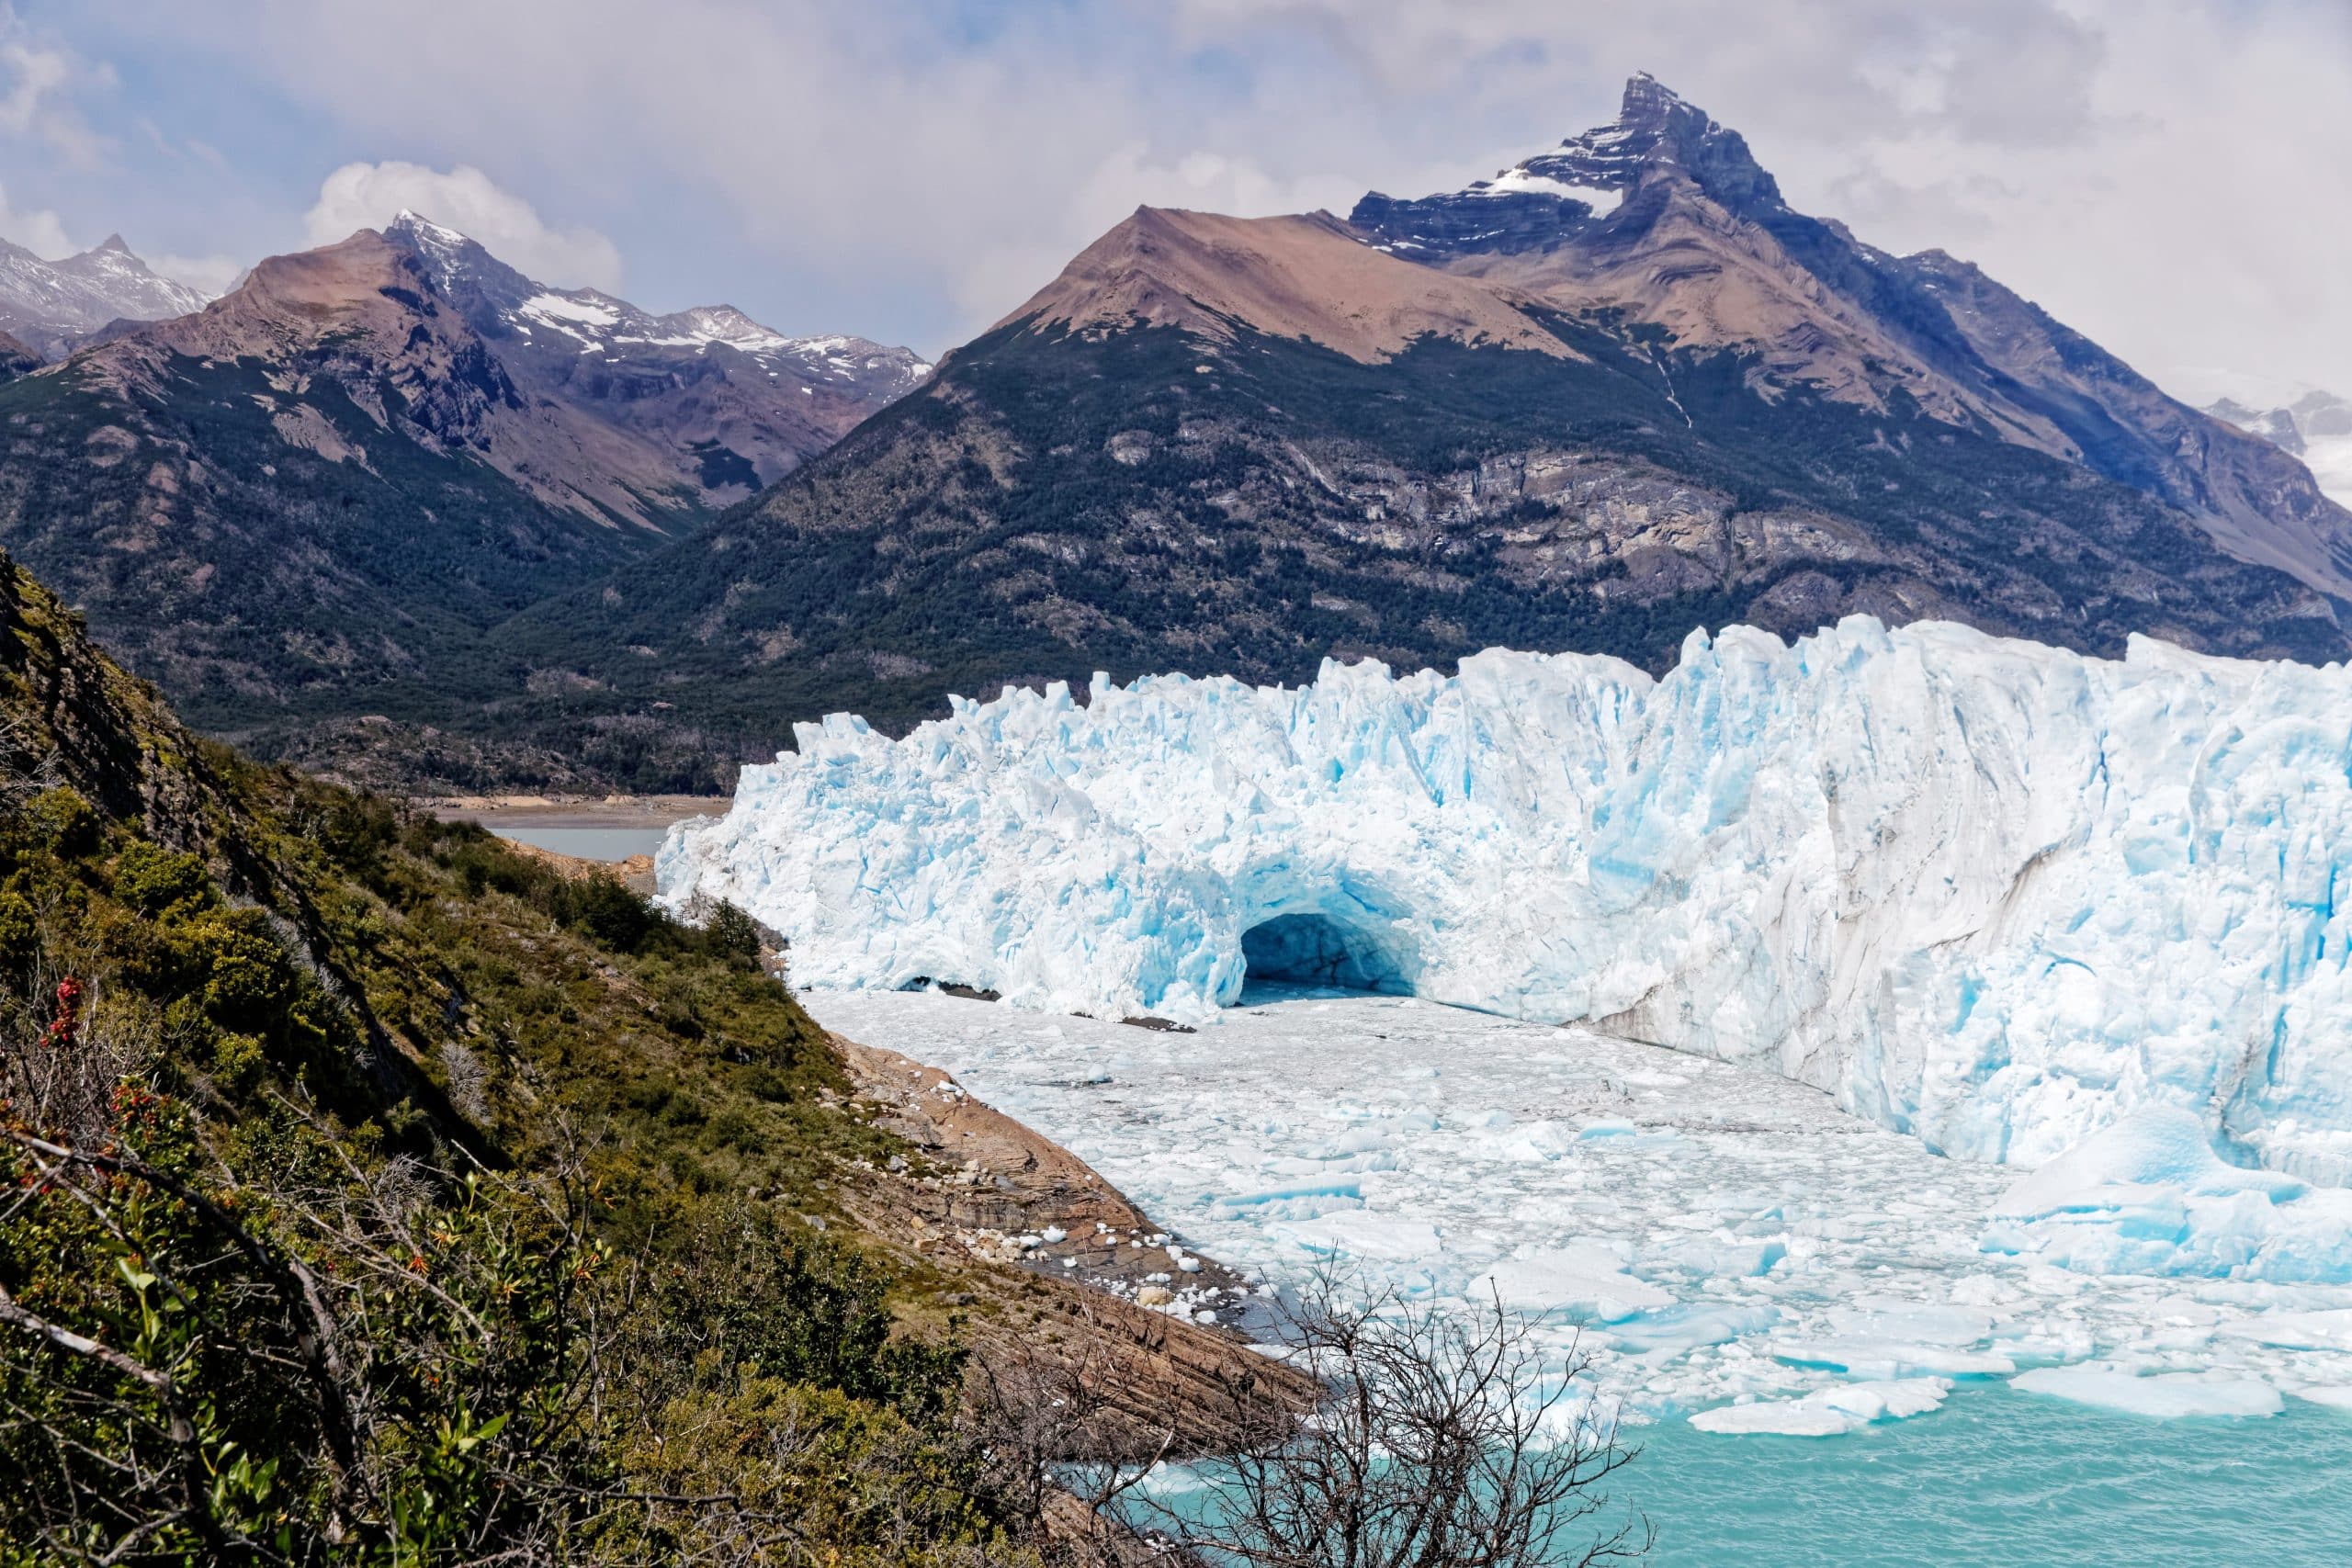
x: 209, y: 275
x: 36, y: 79
x: 40, y: 232
x: 368, y: 196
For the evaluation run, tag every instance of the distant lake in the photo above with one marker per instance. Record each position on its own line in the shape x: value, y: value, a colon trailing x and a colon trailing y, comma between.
x: 585, y: 843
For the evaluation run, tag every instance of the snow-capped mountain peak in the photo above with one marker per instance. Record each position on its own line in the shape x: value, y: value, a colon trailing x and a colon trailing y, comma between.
x: 1655, y: 129
x: 50, y: 303
x: 443, y: 250
x: 588, y: 323
x: 417, y: 226
x: 1583, y: 182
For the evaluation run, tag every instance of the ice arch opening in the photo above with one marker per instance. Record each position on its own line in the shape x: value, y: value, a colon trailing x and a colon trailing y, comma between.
x: 1316, y: 950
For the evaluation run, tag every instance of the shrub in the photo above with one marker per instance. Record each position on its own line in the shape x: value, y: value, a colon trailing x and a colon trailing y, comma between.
x: 151, y: 880
x: 733, y: 933
x: 64, y: 822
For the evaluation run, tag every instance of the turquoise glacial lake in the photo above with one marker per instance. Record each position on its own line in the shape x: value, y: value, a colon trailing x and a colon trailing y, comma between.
x: 1998, y: 1478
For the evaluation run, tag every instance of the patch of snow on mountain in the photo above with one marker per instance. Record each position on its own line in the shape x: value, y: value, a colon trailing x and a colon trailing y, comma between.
x: 565, y: 308
x: 1989, y: 892
x: 1519, y: 181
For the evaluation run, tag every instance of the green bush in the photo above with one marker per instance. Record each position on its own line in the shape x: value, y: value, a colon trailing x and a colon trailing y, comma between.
x: 151, y: 880
x: 19, y: 933
x: 64, y: 822
x: 246, y: 977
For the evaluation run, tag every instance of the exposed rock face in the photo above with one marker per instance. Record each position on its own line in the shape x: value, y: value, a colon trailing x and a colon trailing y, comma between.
x: 50, y: 304
x: 1055, y: 1251
x: 1658, y: 398
x: 1665, y: 216
x: 16, y: 358
x: 582, y: 401
x: 724, y: 404
x: 1565, y: 192
x: 356, y: 313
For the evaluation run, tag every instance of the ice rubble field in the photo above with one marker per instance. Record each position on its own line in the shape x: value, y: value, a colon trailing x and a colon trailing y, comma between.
x: 1732, y: 1244
x: 1989, y: 892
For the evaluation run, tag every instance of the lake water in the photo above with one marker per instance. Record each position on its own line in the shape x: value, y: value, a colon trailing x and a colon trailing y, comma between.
x: 1710, y: 1235
x: 585, y: 843
x: 2002, y: 1480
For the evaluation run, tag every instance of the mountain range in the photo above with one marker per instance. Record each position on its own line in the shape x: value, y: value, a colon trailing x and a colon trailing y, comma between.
x: 393, y: 509
x: 1617, y: 390
x: 347, y: 471
x: 46, y: 306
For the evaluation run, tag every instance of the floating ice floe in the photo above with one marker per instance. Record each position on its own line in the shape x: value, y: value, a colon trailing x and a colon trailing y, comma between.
x: 1748, y: 1246
x: 1829, y: 1412
x: 1991, y: 894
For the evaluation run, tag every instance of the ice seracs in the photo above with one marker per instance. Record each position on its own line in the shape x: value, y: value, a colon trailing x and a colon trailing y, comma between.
x: 1989, y: 893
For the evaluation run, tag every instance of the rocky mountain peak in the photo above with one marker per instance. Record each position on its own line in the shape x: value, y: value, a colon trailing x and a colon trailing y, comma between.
x: 418, y: 234
x: 1657, y: 128
x: 52, y: 305
x: 2306, y: 422
x: 485, y: 290
x: 1581, y: 183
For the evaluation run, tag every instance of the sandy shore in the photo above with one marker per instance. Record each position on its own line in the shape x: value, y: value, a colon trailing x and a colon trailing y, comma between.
x: 495, y: 811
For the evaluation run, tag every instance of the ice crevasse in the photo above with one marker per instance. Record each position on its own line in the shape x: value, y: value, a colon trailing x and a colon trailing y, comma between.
x: 1991, y: 893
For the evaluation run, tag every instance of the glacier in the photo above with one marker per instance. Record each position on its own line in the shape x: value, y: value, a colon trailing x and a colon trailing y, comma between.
x: 1995, y: 895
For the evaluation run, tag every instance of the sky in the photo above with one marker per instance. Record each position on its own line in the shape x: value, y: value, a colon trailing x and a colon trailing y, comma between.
x: 2173, y: 177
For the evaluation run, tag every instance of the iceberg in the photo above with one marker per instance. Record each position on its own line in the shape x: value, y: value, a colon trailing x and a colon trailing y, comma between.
x: 2148, y: 1195
x: 1989, y: 892
x: 1829, y: 1412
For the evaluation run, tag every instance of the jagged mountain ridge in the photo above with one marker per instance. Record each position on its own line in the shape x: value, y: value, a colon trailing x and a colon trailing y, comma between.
x: 47, y: 304
x: 740, y: 404
x: 1666, y: 215
x: 1584, y: 406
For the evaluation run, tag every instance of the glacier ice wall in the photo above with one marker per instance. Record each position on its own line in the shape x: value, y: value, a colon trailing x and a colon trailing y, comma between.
x: 1988, y: 892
